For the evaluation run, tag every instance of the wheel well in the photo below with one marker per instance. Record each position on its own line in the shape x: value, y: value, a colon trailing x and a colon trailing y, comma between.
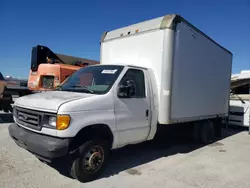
x: 98, y: 131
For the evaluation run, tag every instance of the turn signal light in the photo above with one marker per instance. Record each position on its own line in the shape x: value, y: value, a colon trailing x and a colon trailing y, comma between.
x: 62, y: 122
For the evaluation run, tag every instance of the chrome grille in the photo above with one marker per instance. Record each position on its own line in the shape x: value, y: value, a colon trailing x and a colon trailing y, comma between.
x: 48, y: 82
x: 28, y: 118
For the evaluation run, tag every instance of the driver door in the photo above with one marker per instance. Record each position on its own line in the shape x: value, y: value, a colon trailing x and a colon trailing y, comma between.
x: 133, y: 112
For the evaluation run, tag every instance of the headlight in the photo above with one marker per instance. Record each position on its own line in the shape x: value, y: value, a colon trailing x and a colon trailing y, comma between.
x: 52, y: 121
x: 59, y: 122
x: 14, y: 113
x: 62, y: 122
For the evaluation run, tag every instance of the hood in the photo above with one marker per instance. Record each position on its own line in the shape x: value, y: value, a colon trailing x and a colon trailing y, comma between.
x: 49, y: 100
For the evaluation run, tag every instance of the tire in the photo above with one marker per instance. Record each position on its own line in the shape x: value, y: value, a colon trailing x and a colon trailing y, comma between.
x: 207, y: 132
x: 218, y: 127
x: 196, y: 133
x: 6, y: 110
x: 6, y: 106
x: 91, y: 151
x: 10, y: 109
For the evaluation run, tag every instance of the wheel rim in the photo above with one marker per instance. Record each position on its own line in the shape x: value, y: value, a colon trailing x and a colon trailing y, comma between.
x: 210, y: 135
x: 93, y: 159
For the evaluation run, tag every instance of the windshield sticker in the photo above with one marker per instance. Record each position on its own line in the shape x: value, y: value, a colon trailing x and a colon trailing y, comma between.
x: 109, y: 71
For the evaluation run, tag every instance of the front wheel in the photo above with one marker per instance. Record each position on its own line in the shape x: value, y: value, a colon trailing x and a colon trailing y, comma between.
x: 91, y: 161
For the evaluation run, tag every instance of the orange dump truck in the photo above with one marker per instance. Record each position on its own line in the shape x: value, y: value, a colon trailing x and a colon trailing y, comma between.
x: 49, y: 69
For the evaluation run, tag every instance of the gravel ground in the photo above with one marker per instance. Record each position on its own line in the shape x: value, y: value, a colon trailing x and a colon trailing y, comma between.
x: 225, y: 163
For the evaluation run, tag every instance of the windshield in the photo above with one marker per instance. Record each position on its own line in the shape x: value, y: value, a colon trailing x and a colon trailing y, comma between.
x: 93, y: 79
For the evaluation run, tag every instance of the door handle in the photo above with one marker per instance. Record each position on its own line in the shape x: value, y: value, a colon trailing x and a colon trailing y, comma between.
x: 146, y: 113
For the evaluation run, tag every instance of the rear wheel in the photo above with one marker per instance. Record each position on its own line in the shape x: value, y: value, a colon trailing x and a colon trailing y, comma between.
x: 203, y: 132
x: 196, y: 132
x: 91, y: 161
x: 207, y: 132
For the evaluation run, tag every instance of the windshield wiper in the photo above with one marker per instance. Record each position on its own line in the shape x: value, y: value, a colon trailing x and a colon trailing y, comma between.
x: 83, y: 87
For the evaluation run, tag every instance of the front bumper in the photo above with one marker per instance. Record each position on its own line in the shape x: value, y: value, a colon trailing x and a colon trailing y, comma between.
x: 43, y: 146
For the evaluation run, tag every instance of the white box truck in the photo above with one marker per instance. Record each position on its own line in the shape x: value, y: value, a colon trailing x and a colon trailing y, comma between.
x: 158, y: 73
x: 239, y: 108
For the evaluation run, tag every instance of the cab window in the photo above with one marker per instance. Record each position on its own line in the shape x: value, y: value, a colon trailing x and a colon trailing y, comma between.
x: 134, y: 78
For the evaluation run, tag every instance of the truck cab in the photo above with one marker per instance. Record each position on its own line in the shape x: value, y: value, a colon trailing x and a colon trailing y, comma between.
x: 99, y: 104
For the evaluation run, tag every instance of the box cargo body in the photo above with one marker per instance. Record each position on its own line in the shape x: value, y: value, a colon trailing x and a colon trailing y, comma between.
x: 192, y: 72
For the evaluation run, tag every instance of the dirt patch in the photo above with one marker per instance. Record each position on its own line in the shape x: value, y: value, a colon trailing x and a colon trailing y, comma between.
x: 222, y: 150
x: 133, y: 171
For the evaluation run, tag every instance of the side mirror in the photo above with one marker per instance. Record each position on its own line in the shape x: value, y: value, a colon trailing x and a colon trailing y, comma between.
x: 127, y: 89
x: 123, y: 91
